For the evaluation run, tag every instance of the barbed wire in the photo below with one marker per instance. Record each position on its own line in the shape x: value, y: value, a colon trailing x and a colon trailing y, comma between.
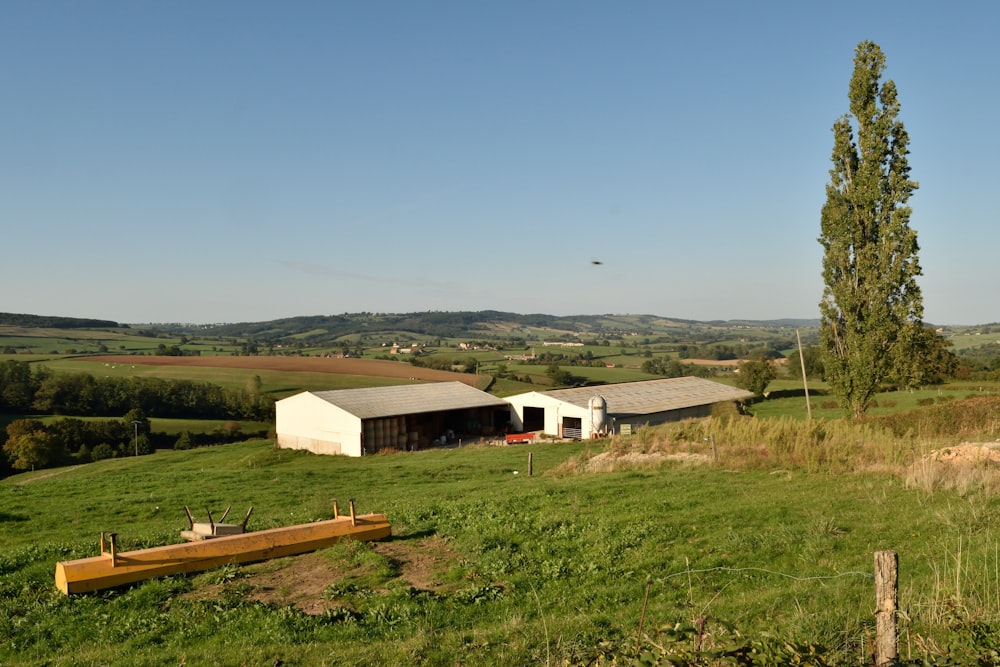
x: 839, y: 575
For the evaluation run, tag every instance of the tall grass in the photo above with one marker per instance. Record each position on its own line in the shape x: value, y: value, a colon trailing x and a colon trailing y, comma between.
x: 747, y: 443
x: 888, y: 443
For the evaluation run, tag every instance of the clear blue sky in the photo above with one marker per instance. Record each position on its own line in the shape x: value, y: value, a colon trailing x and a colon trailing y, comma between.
x: 244, y: 161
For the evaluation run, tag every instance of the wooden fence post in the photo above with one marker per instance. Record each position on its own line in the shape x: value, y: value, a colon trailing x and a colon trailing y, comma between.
x: 530, y: 467
x: 886, y: 604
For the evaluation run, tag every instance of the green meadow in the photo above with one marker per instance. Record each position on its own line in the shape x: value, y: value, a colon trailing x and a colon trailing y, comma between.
x: 559, y: 567
x: 274, y: 383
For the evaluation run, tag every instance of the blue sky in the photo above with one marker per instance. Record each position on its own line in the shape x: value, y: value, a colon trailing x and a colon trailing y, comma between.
x: 244, y: 161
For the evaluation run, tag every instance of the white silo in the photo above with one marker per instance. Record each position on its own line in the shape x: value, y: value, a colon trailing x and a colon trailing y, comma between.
x: 598, y: 415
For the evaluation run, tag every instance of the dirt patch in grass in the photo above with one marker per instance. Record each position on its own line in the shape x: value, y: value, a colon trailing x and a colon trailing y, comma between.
x: 609, y: 461
x: 967, y: 454
x: 301, y: 581
x: 963, y: 468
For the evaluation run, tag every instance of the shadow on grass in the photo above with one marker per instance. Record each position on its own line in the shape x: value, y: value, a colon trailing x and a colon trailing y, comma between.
x: 5, y: 518
x: 795, y: 393
x: 419, y: 535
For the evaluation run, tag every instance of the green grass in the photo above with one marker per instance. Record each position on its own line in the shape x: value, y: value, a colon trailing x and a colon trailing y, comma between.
x: 598, y: 374
x: 825, y: 406
x: 548, y: 569
x: 275, y: 383
x: 159, y: 424
x: 970, y: 338
x: 48, y: 341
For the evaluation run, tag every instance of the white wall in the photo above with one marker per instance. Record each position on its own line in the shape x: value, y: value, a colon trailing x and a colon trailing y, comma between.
x: 304, y: 421
x: 555, y: 411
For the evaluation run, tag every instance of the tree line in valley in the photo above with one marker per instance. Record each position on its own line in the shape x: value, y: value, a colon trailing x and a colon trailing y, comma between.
x: 56, y: 322
x: 30, y: 443
x: 82, y: 394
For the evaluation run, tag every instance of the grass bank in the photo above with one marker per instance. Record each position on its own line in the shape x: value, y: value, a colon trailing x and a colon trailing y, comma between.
x: 546, y: 569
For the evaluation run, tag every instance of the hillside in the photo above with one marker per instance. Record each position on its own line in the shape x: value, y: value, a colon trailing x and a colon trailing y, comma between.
x: 489, y: 565
x: 480, y: 325
x: 54, y: 322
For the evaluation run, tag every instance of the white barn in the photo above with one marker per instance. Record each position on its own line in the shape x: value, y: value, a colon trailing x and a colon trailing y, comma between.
x: 354, y: 422
x: 569, y: 413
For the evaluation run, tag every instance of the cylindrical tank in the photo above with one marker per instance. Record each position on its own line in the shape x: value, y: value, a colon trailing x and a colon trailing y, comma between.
x: 598, y: 415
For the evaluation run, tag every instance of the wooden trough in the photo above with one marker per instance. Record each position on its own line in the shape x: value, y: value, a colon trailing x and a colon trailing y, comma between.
x: 113, y: 568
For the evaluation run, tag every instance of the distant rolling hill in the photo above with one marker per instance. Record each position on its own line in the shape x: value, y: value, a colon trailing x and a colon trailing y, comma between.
x: 485, y: 325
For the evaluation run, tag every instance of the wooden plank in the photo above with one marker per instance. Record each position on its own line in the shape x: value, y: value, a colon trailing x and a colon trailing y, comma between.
x: 107, y: 571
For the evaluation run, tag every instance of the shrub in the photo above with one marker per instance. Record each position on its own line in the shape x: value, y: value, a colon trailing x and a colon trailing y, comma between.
x: 184, y: 441
x: 102, y: 451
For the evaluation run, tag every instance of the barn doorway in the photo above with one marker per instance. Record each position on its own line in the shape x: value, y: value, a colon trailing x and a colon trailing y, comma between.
x: 572, y: 427
x: 534, y: 419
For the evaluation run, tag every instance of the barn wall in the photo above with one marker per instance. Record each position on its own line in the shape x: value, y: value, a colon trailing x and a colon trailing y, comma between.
x: 554, y: 416
x: 308, y: 444
x: 306, y: 422
x: 655, y: 418
x: 555, y: 411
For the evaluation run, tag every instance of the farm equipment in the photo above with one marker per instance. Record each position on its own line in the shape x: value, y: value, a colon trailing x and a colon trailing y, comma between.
x: 114, y: 568
x: 513, y: 438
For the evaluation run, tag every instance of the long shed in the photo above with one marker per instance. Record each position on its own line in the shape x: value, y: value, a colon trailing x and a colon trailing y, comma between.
x: 354, y: 422
x: 569, y: 413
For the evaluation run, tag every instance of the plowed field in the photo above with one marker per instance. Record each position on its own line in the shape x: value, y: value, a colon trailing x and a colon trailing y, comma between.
x: 369, y: 367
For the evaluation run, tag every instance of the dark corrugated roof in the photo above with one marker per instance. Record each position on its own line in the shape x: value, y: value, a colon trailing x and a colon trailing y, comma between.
x: 649, y: 396
x: 408, y: 399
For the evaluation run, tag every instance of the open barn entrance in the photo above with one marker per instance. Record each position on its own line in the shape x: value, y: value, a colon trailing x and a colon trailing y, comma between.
x: 571, y: 427
x: 534, y: 419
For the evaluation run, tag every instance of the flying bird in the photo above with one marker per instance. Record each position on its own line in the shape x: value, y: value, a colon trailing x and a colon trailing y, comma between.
x: 596, y: 262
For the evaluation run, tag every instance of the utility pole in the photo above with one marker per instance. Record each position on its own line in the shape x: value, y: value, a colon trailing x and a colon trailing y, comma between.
x: 136, y: 439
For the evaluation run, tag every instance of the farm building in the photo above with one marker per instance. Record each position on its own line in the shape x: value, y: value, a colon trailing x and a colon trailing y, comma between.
x: 405, y: 417
x: 585, y: 412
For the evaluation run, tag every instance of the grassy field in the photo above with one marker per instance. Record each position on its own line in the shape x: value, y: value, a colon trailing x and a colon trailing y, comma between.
x: 173, y: 427
x: 790, y: 399
x: 488, y: 565
x: 273, y: 383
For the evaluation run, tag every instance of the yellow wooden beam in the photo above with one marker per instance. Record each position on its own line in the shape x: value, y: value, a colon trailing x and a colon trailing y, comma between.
x: 113, y: 568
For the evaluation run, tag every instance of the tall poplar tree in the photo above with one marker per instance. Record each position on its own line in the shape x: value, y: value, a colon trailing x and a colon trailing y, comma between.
x: 872, y: 308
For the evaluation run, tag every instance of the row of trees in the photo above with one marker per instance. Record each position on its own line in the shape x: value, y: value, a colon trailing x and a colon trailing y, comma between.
x: 22, y: 390
x: 672, y: 368
x: 32, y: 444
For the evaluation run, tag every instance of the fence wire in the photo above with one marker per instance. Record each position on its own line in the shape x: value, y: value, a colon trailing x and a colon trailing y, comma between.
x: 839, y: 575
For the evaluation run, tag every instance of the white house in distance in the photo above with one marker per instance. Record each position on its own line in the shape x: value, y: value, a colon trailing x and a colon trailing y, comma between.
x: 403, y: 417
x: 573, y: 413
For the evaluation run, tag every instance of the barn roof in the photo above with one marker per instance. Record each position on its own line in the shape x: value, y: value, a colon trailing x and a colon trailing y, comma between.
x: 649, y: 396
x: 408, y: 399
